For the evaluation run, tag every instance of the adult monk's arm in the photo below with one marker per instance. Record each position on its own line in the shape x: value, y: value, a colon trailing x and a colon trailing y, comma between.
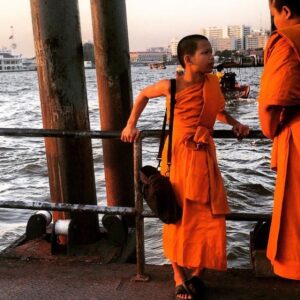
x: 130, y: 133
x: 270, y: 118
x: 279, y: 85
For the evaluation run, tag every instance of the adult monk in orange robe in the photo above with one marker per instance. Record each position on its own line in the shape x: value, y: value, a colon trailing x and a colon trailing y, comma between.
x: 279, y: 112
x: 198, y: 240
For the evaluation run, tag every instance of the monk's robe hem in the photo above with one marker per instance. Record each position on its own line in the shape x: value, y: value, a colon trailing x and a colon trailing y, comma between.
x: 289, y: 271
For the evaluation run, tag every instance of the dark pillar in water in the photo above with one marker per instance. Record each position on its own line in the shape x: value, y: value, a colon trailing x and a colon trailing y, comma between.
x: 59, y: 54
x: 115, y: 95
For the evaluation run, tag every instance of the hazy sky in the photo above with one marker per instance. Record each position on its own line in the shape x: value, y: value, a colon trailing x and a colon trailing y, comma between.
x: 150, y: 22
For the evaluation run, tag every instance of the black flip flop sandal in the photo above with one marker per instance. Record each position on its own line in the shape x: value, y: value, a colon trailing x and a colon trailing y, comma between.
x: 195, y: 287
x: 182, y: 290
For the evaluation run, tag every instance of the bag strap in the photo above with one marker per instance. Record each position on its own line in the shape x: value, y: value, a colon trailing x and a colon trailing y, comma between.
x: 163, y: 131
x: 200, y: 118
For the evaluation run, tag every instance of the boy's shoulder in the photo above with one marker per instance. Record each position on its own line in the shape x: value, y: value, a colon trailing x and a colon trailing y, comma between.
x: 164, y: 81
x: 164, y: 84
x: 212, y: 77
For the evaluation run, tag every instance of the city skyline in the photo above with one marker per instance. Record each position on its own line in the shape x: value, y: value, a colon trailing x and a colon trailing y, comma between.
x: 148, y: 25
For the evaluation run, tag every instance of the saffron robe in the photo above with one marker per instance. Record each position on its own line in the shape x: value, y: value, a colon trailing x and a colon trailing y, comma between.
x: 280, y: 90
x: 199, y: 238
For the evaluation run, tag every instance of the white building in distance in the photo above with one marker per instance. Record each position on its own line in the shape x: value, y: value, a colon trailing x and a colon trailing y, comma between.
x: 145, y: 57
x: 232, y: 37
x: 173, y: 46
x: 256, y: 40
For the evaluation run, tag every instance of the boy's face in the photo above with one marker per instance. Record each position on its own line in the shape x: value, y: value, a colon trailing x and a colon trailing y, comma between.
x: 203, y: 59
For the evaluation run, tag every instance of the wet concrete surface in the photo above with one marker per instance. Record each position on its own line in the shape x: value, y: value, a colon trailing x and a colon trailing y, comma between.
x: 28, y: 270
x: 70, y: 279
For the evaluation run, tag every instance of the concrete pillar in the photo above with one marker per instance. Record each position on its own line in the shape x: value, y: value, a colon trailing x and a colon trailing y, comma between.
x: 59, y: 54
x: 115, y: 95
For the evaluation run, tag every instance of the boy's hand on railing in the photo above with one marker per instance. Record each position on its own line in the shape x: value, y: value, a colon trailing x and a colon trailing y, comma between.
x: 241, y: 130
x: 130, y: 134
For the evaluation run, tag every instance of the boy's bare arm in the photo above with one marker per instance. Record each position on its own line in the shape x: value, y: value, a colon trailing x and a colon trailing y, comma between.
x: 130, y: 133
x: 239, y: 129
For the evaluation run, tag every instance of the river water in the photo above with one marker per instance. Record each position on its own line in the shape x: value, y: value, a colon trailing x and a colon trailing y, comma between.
x: 23, y: 169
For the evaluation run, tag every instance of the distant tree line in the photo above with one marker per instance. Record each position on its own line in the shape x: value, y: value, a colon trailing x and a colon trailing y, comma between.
x: 225, y: 53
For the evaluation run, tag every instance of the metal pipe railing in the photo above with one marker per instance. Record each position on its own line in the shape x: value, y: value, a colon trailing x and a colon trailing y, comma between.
x: 138, y: 210
x: 95, y: 134
x: 67, y: 207
x: 111, y: 210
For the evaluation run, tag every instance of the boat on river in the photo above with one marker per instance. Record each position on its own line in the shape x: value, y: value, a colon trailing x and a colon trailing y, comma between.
x: 158, y: 65
x: 229, y: 85
x: 10, y: 61
x: 232, y: 89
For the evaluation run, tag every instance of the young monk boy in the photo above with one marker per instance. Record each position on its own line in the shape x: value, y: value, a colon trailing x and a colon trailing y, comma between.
x: 279, y: 112
x: 198, y: 240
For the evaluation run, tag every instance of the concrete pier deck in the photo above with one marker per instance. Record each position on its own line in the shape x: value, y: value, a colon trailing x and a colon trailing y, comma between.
x: 70, y: 279
x: 28, y: 270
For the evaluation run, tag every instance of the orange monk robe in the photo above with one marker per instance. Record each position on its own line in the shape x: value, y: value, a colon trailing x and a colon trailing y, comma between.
x: 199, y: 238
x: 280, y: 88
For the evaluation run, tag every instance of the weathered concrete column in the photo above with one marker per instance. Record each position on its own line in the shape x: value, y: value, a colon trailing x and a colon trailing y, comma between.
x: 115, y: 95
x: 59, y: 54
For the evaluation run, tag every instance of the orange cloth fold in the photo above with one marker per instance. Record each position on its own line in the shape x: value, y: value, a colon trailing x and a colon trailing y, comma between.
x: 280, y: 93
x: 199, y: 238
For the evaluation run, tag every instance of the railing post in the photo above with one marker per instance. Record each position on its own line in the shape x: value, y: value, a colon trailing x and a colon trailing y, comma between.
x: 139, y: 219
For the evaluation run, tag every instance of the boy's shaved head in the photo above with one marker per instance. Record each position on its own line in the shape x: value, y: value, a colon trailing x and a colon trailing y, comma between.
x: 293, y: 5
x: 188, y: 45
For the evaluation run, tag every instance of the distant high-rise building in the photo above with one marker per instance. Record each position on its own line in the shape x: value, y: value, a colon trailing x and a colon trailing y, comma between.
x: 173, y: 46
x: 229, y: 37
x: 218, y: 38
x: 234, y: 31
x: 239, y: 32
x: 256, y: 40
x: 216, y: 32
x: 246, y: 30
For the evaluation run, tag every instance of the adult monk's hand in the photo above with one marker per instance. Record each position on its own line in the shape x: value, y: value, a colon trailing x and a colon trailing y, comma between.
x: 130, y: 134
x: 241, y: 130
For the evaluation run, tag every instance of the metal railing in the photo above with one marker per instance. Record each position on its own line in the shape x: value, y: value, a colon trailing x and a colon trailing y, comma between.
x: 137, y: 211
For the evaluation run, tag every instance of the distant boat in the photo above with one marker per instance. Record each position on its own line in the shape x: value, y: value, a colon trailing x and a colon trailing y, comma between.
x: 10, y: 62
x: 158, y: 65
x: 232, y: 89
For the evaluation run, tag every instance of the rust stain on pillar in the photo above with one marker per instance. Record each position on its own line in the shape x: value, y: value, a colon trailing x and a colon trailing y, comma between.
x: 59, y: 54
x: 115, y: 95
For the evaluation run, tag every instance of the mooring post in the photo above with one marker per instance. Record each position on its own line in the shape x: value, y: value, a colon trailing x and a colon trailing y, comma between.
x: 115, y: 95
x: 59, y: 55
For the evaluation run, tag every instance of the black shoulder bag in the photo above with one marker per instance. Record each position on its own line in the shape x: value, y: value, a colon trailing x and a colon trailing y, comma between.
x: 155, y: 187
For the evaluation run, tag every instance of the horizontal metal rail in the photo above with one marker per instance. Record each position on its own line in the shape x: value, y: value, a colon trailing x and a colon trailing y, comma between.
x: 126, y: 211
x: 27, y: 132
x: 67, y: 207
x: 218, y: 134
x: 95, y: 134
